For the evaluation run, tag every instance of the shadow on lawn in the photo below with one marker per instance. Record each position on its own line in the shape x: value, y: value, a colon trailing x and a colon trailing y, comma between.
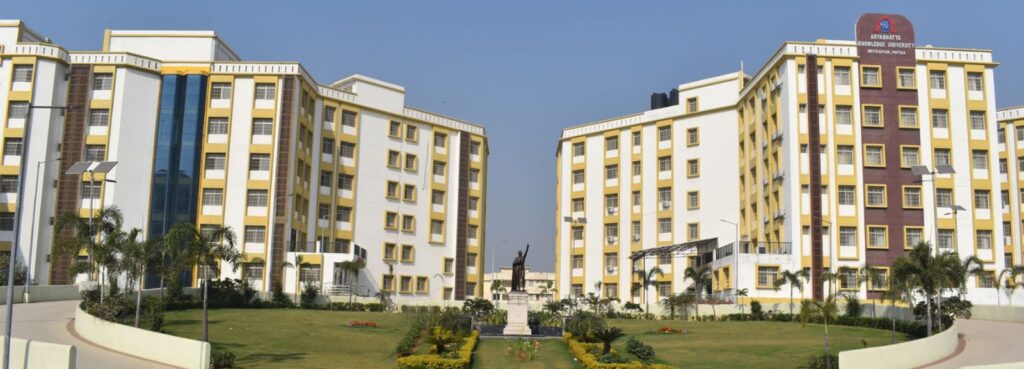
x: 272, y: 358
x: 178, y: 322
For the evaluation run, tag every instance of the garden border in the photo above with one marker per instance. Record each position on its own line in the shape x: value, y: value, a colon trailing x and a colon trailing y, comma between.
x: 158, y: 347
x: 908, y: 354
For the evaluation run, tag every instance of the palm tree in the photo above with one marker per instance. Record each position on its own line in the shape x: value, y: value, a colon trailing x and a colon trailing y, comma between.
x: 352, y: 267
x: 742, y: 292
x: 899, y: 290
x: 700, y: 276
x: 548, y: 289
x: 207, y: 250
x: 827, y: 309
x: 497, y: 288
x: 77, y: 235
x: 678, y: 300
x: 553, y: 307
x: 607, y: 336
x: 647, y: 279
x: 918, y: 270
x: 869, y: 274
x: 135, y: 256
x: 829, y: 277
x: 441, y: 338
x: 794, y: 280
x: 1008, y: 280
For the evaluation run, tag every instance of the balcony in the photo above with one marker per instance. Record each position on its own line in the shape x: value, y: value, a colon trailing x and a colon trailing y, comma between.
x: 766, y: 248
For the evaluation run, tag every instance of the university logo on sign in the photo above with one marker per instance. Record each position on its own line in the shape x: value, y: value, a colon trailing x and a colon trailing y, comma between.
x: 884, y: 25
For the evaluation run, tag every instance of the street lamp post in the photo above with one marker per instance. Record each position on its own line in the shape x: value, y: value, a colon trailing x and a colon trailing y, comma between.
x: 735, y: 259
x: 921, y: 170
x: 32, y: 233
x: 443, y: 286
x: 93, y: 168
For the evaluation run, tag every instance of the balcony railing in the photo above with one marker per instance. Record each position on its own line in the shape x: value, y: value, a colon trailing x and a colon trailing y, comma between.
x: 315, y: 247
x: 766, y: 248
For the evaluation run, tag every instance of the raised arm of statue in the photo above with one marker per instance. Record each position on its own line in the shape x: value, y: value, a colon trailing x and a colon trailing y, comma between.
x: 527, y: 252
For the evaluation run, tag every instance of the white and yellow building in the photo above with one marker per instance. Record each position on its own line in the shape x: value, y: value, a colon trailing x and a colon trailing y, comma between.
x: 305, y: 173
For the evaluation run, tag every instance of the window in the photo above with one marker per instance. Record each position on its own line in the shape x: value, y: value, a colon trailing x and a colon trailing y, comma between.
x: 578, y: 149
x: 215, y: 161
x: 1002, y: 166
x: 421, y: 285
x: 693, y: 231
x: 664, y: 259
x: 9, y: 184
x: 766, y: 276
x: 390, y: 220
x: 12, y: 146
x: 909, y: 156
x: 942, y: 157
x: 213, y: 196
x: 389, y: 251
x: 664, y: 225
x: 981, y: 199
x: 387, y: 282
x: 665, y: 195
x: 944, y: 197
x: 347, y: 150
x: 872, y: 116
x: 348, y: 118
x: 877, y: 237
x: 611, y: 201
x: 409, y: 223
x: 256, y: 198
x: 842, y: 76
x: 665, y: 164
x: 912, y: 197
x: 692, y: 136
x: 577, y: 261
x: 412, y: 134
x: 449, y: 266
x: 394, y: 158
x: 987, y: 279
x: 218, y: 126
x: 876, y: 196
x: 847, y: 236
x: 410, y: 162
x: 665, y: 133
x: 945, y: 239
x: 913, y: 236
x: 409, y: 192
x: 693, y: 200
x: 611, y: 231
x: 91, y: 191
x: 636, y: 168
x: 636, y: 231
x: 18, y: 110
x: 22, y: 73
x: 474, y: 148
x: 329, y: 112
x: 577, y: 176
x: 262, y: 127
x: 974, y: 81
x: 259, y: 162
x: 978, y: 120
x: 664, y: 289
x: 940, y: 118
x: 255, y: 234
x: 611, y: 172
x: 265, y: 91
x: 323, y: 212
x: 95, y: 152
x: 848, y: 279
x: 577, y: 233
x: 436, y: 227
x: 693, y: 168
x: 345, y: 182
x: 870, y: 76
x: 636, y: 139
x: 908, y: 117
x: 407, y: 253
x: 99, y: 117
x: 1020, y: 133
x: 474, y: 175
x: 343, y: 214
x: 983, y: 239
x: 906, y: 78
x: 611, y: 143
x: 437, y: 197
x: 691, y: 105
x: 577, y: 205
x: 392, y: 190
x: 979, y: 159
x: 844, y: 154
x: 220, y: 91
x: 844, y: 115
x: 874, y: 155
x: 847, y: 195
x: 937, y: 79
x: 440, y: 140
x: 636, y: 198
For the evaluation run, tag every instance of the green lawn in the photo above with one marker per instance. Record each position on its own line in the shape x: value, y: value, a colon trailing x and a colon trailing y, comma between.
x: 490, y: 353
x: 293, y: 338
x: 745, y: 344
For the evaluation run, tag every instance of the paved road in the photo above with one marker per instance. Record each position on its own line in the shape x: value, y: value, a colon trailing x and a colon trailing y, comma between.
x: 987, y: 342
x: 49, y: 322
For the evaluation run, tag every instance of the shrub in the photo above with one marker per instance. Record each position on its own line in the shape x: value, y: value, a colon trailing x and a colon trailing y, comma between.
x: 406, y: 344
x: 522, y: 350
x: 278, y: 298
x: 583, y: 352
x: 222, y: 359
x: 612, y: 358
x: 641, y: 350
x: 153, y: 314
x: 463, y: 360
x: 583, y: 324
x: 307, y: 299
x: 819, y: 362
x: 853, y: 307
x: 755, y: 310
x: 375, y: 307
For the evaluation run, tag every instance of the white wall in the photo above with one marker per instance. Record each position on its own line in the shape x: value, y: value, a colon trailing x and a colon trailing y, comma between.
x: 31, y: 354
x: 158, y: 347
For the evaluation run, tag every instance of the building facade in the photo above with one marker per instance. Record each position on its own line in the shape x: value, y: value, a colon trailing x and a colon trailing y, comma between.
x: 883, y: 105
x: 539, y: 285
x: 306, y: 174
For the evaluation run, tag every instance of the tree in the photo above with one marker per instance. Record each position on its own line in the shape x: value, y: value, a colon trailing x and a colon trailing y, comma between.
x: 742, y: 292
x: 77, y: 235
x: 794, y: 280
x: 135, y: 256
x: 1007, y: 280
x: 553, y: 307
x: 827, y: 309
x: 647, y: 279
x: 829, y: 278
x: 700, y: 276
x: 352, y: 267
x: 869, y: 274
x: 606, y: 336
x: 918, y: 270
x: 208, y: 249
x: 20, y: 271
x: 496, y: 287
x: 899, y: 290
x: 679, y: 300
x: 441, y: 338
x: 548, y: 289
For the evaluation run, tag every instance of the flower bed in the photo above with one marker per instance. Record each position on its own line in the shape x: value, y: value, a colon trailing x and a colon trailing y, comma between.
x: 670, y: 330
x: 582, y: 352
x: 357, y: 324
x: 464, y: 361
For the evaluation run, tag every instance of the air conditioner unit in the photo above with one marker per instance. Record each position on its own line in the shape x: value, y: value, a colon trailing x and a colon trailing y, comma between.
x: 612, y: 239
x: 610, y: 270
x: 666, y: 204
x: 612, y: 210
x: 636, y: 237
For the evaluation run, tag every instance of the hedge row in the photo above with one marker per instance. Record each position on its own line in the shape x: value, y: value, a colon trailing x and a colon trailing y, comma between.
x: 356, y: 306
x: 581, y: 351
x: 911, y: 328
x: 465, y: 360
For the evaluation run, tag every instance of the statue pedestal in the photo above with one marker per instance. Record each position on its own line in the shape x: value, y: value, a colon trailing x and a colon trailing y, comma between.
x: 518, y: 306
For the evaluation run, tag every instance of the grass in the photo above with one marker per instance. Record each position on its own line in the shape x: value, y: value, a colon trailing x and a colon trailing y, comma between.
x: 293, y: 338
x: 553, y: 354
x: 746, y: 344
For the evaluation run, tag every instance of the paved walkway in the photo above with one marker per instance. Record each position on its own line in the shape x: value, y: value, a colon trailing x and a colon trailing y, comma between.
x: 986, y: 342
x: 52, y: 322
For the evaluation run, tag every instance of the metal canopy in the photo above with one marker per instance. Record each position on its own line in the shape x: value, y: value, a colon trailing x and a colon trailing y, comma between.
x: 104, y: 167
x: 79, y: 168
x: 920, y: 170
x: 101, y: 167
x: 958, y: 208
x: 678, y: 248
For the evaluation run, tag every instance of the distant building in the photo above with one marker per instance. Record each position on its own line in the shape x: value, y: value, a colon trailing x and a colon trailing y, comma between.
x: 540, y: 285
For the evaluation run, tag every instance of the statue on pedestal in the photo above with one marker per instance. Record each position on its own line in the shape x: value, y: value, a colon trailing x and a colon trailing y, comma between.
x: 519, y: 270
x: 518, y: 300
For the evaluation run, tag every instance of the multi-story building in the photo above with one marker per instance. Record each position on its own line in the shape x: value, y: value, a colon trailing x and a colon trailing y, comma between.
x: 642, y: 181
x: 881, y: 105
x: 1010, y: 142
x: 306, y: 174
x: 539, y: 285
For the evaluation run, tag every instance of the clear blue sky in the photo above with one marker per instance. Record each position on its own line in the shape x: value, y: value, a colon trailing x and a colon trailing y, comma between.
x: 527, y: 69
